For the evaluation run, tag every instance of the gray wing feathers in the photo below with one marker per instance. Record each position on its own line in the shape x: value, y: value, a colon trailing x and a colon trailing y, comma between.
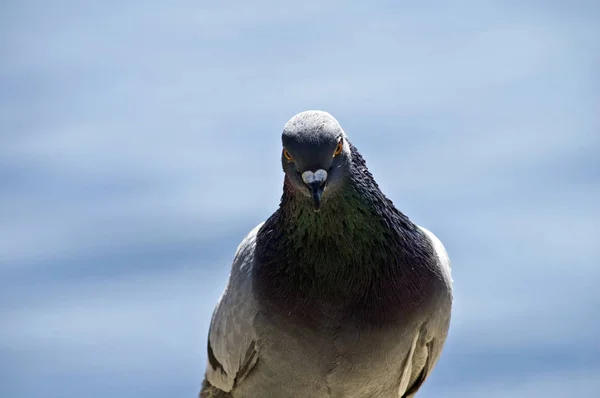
x: 442, y: 255
x: 407, y: 367
x: 433, y: 334
x: 231, y: 341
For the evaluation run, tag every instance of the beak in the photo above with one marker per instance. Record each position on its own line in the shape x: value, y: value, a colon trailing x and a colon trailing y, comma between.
x: 316, y: 184
x: 317, y: 191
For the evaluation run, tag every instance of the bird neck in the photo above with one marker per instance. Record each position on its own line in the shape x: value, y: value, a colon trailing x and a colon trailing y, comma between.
x: 345, y: 217
x: 357, y: 230
x: 358, y: 252
x: 358, y: 213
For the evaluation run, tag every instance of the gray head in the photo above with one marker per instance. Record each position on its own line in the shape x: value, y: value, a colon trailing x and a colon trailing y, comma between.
x: 316, y: 154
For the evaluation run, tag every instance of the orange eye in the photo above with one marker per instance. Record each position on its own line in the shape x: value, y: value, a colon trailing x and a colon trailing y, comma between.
x: 339, y: 148
x: 287, y: 155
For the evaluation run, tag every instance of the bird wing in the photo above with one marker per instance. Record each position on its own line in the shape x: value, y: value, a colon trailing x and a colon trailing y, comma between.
x: 434, y: 332
x: 432, y: 353
x: 442, y: 256
x: 232, y: 350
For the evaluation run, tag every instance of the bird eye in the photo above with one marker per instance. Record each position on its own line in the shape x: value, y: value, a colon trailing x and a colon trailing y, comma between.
x: 287, y: 155
x: 339, y: 148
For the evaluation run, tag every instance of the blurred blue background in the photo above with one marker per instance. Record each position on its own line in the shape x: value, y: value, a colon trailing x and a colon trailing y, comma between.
x: 140, y: 142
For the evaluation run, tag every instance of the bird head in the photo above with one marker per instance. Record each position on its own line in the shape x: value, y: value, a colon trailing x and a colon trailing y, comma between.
x: 315, y: 155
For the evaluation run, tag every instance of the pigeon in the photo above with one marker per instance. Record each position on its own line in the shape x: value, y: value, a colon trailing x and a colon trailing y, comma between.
x: 337, y: 293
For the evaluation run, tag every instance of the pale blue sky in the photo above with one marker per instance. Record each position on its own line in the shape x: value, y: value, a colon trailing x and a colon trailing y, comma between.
x: 140, y: 141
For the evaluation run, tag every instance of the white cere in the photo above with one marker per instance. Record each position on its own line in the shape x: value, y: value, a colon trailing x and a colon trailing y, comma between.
x: 309, y: 177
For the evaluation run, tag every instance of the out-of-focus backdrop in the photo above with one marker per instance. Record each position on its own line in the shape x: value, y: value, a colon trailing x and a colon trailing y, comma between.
x: 140, y: 142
